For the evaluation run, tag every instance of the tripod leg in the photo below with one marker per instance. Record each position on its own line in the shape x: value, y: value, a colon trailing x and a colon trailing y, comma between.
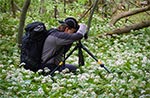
x: 80, y: 55
x: 71, y: 52
x: 99, y: 62
x: 52, y: 72
x: 61, y: 63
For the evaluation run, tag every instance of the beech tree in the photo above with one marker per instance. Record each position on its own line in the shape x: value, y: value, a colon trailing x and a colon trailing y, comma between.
x: 22, y: 21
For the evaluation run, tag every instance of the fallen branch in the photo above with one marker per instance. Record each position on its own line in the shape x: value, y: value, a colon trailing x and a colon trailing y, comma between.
x: 127, y: 29
x: 128, y: 13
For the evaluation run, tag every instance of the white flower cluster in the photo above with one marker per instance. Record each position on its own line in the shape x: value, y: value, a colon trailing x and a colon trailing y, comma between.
x: 126, y: 56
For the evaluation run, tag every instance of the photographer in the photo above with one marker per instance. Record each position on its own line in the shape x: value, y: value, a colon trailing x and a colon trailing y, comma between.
x: 60, y: 41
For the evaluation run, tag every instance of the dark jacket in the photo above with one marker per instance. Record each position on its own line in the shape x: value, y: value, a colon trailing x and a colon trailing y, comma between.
x: 57, y: 42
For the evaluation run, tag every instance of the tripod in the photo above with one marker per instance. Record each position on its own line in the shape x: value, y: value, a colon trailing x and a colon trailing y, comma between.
x: 80, y: 46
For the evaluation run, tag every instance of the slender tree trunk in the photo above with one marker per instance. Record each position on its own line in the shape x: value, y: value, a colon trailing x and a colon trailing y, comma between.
x: 104, y: 8
x: 17, y: 7
x: 22, y: 21
x: 13, y: 8
x: 42, y: 7
x: 128, y: 13
x: 64, y: 6
x: 55, y: 10
x: 90, y: 2
x: 90, y: 17
x: 85, y: 13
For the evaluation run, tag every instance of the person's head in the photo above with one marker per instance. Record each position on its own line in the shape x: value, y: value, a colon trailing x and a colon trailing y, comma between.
x: 69, y: 25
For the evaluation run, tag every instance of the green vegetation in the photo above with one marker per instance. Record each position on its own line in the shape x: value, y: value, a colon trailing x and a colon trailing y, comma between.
x: 127, y: 56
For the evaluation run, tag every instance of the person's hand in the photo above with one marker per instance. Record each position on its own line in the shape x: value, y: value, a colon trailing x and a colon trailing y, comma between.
x: 82, y: 29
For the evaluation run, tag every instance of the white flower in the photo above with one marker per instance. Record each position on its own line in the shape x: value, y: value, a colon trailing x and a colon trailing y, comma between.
x: 67, y: 95
x: 65, y: 70
x: 144, y: 59
x: 46, y: 69
x: 37, y: 78
x: 122, y: 81
x: 111, y: 95
x: 70, y: 80
x: 69, y: 85
x: 113, y: 81
x: 40, y: 70
x: 15, y: 88
x: 96, y: 80
x: 122, y: 90
x: 143, y: 83
x: 131, y: 96
x: 93, y: 94
x: 73, y: 76
x: 55, y: 87
x: 84, y: 93
x: 10, y: 88
x: 43, y: 80
x: 145, y: 96
x: 40, y: 91
x: 83, y: 77
x: 148, y: 80
x: 97, y: 77
x: 129, y: 92
x: 78, y: 70
x: 143, y: 91
x: 109, y: 76
x: 1, y: 65
x: 92, y: 75
x: 22, y: 64
x: 119, y: 61
x: 90, y: 89
x: 56, y: 72
x: 11, y: 66
x: 117, y: 95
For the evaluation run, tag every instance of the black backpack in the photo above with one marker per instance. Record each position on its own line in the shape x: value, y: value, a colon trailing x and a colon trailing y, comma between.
x: 32, y: 45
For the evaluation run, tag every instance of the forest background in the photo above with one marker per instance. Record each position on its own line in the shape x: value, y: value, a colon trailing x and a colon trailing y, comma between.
x: 119, y: 35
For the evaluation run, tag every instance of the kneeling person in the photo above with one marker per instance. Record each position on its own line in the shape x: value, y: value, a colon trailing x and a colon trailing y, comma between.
x: 60, y: 41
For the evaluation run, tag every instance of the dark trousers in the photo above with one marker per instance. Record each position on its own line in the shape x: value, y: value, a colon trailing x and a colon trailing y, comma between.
x: 71, y: 68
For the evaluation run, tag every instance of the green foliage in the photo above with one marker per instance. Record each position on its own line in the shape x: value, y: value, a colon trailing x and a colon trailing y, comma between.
x: 4, y: 5
x: 83, y: 2
x: 126, y: 56
x: 9, y: 25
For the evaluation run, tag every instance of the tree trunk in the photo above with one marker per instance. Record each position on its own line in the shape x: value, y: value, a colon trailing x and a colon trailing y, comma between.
x: 13, y: 8
x: 55, y: 10
x: 127, y: 29
x: 17, y: 7
x: 104, y: 8
x: 128, y: 13
x: 85, y: 13
x: 90, y: 18
x: 64, y: 6
x: 90, y: 2
x: 22, y: 21
x: 42, y: 7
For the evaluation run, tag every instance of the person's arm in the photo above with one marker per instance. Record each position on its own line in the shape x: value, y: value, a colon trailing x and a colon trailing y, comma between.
x: 65, y: 39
